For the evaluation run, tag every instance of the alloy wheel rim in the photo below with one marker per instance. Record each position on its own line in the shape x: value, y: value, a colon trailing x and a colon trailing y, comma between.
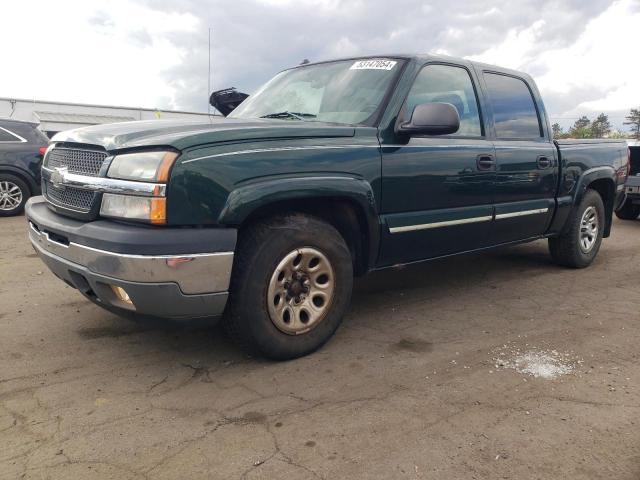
x: 10, y: 196
x: 301, y: 291
x: 588, y: 229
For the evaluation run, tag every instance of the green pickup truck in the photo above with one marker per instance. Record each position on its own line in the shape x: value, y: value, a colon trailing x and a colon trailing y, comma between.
x: 329, y: 171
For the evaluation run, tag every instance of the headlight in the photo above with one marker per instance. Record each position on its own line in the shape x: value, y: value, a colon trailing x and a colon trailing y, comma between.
x: 142, y: 166
x: 147, y: 209
x: 152, y: 167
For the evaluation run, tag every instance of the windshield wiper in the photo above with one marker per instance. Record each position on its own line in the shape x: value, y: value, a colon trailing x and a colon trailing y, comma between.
x: 288, y: 114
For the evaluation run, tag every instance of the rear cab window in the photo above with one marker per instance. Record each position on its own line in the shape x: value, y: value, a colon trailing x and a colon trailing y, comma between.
x: 515, y: 115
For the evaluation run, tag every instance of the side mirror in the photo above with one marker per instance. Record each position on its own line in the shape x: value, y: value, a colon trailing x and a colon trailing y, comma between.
x: 431, y: 119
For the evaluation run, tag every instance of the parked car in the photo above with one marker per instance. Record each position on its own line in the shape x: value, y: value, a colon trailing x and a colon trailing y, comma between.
x: 22, y: 147
x: 630, y: 208
x: 331, y: 170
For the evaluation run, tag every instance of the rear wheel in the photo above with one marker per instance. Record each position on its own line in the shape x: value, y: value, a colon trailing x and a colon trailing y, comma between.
x: 14, y: 193
x: 628, y: 211
x: 579, y: 245
x: 291, y: 285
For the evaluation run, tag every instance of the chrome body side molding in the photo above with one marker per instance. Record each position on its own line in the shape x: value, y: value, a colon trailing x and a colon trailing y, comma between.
x: 521, y: 213
x: 463, y: 221
x: 448, y: 223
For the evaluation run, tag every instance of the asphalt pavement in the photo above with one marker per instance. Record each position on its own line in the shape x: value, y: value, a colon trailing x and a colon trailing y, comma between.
x: 488, y: 366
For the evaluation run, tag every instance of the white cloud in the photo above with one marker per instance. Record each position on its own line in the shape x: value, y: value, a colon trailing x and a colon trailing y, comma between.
x: 599, y: 65
x: 76, y: 51
x: 326, y: 4
x: 153, y: 53
x: 517, y: 49
x: 343, y: 47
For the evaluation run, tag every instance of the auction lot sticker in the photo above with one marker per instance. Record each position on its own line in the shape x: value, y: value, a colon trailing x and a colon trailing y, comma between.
x: 373, y: 65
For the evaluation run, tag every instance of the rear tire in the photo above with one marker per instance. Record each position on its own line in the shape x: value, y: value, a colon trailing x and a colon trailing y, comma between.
x: 578, y: 246
x: 290, y: 286
x: 628, y: 211
x: 14, y: 193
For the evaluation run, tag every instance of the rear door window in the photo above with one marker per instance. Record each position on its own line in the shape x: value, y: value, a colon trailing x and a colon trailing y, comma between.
x: 6, y: 136
x: 514, y: 110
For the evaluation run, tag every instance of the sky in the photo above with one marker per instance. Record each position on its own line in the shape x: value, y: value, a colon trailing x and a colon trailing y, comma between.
x: 155, y: 53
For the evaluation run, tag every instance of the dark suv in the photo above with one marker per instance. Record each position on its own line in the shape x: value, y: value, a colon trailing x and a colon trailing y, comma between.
x: 22, y: 147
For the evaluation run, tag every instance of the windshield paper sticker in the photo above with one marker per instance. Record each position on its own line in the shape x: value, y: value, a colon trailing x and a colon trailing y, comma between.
x: 373, y: 65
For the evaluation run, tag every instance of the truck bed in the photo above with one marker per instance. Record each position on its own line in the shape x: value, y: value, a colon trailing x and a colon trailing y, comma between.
x: 578, y: 156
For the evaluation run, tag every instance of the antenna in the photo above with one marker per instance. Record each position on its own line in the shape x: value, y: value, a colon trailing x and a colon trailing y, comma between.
x: 209, y: 76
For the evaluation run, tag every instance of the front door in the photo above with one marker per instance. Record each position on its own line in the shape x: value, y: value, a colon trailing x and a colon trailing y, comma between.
x: 526, y: 164
x: 436, y: 190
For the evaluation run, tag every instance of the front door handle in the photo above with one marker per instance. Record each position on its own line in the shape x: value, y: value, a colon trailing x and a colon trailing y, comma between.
x: 485, y: 162
x: 543, y: 162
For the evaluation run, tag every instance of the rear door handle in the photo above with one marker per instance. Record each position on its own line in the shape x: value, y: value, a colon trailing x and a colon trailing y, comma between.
x: 543, y: 162
x: 485, y: 162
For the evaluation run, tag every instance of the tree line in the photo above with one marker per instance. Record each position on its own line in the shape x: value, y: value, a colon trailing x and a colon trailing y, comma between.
x: 600, y: 127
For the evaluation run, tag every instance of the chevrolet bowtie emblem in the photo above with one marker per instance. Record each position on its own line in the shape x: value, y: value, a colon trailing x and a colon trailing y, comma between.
x: 57, y: 177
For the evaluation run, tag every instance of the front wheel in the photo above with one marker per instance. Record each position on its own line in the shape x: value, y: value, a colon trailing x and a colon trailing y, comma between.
x: 628, y: 211
x: 291, y: 285
x: 578, y: 246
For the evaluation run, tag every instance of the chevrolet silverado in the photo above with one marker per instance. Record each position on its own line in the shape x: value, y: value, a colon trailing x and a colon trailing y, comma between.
x: 328, y: 171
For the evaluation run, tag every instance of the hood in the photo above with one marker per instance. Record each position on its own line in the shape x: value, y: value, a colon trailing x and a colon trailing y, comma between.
x: 185, y: 134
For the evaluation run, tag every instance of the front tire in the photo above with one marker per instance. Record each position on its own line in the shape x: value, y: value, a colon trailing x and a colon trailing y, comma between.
x: 14, y: 193
x: 290, y: 287
x: 628, y: 211
x: 578, y: 246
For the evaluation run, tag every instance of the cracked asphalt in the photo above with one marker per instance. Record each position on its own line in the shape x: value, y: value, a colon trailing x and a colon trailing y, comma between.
x: 408, y: 388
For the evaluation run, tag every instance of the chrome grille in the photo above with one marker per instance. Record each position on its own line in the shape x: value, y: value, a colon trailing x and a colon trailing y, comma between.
x: 69, y: 197
x: 77, y: 160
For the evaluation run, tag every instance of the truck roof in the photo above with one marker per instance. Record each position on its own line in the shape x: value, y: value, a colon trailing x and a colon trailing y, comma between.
x: 425, y: 57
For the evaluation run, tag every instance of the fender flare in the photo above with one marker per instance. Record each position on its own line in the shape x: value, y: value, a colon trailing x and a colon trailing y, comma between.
x: 587, y: 178
x: 590, y: 176
x: 24, y: 175
x: 249, y: 197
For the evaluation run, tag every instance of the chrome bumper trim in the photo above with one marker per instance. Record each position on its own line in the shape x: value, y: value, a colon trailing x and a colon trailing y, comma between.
x: 194, y: 273
x: 61, y: 177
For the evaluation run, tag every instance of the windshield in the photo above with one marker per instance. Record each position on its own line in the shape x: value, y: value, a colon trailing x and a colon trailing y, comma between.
x: 349, y: 92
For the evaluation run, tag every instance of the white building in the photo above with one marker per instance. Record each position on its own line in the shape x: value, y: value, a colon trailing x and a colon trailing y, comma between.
x: 54, y: 117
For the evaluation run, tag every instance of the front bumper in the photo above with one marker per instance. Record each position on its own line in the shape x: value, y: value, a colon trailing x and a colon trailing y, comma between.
x: 166, y: 272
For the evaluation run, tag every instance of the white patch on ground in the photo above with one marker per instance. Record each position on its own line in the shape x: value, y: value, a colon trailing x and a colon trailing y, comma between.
x: 538, y: 363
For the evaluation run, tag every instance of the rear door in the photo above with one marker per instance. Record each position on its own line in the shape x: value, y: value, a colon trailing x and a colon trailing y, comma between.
x: 526, y: 165
x: 436, y: 190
